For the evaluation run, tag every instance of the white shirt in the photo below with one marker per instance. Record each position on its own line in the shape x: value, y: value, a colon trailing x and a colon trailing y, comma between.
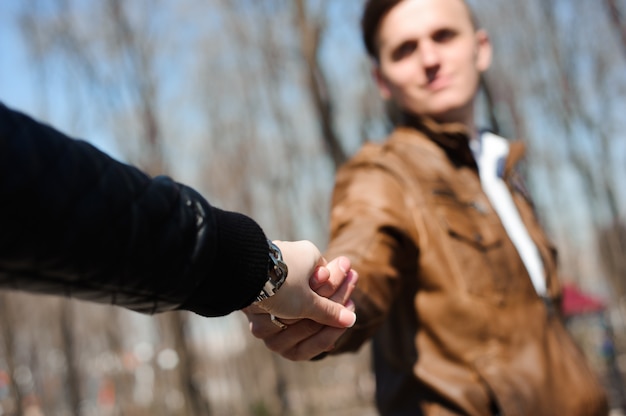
x: 491, y: 152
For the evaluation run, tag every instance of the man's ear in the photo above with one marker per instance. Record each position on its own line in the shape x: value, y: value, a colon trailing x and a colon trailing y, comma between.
x: 381, y: 83
x: 483, y: 51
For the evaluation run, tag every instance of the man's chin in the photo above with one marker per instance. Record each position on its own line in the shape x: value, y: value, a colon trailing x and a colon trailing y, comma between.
x: 449, y: 114
x: 445, y: 117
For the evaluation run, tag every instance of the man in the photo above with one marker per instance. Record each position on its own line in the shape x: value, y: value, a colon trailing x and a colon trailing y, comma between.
x: 458, y: 284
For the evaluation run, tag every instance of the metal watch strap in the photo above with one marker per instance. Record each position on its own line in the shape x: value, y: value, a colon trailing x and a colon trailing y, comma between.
x: 276, y: 272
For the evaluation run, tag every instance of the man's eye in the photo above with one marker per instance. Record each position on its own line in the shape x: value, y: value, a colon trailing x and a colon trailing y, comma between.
x: 404, y: 50
x: 444, y: 35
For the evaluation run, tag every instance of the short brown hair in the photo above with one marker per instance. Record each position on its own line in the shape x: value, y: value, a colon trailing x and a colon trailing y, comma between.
x: 374, y: 12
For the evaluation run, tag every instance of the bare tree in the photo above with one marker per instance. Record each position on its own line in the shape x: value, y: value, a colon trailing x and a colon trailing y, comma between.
x: 66, y: 319
x: 311, y: 31
x: 7, y: 322
x: 616, y: 17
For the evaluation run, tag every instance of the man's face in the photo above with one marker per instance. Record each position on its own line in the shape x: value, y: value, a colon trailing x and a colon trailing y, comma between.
x: 430, y: 58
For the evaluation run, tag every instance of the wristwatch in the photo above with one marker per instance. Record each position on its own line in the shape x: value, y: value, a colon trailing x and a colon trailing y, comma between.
x: 276, y: 272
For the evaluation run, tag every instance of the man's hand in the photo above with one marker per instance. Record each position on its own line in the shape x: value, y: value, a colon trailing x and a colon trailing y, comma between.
x: 295, y: 299
x: 304, y: 339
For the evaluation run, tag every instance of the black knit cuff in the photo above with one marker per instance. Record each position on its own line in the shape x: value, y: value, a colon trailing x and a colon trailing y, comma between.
x: 238, y: 269
x: 242, y: 254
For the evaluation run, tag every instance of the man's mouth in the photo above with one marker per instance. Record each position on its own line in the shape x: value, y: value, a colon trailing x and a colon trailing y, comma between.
x: 438, y: 83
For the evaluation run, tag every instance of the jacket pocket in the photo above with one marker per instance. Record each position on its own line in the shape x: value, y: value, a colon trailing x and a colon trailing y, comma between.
x: 470, y: 241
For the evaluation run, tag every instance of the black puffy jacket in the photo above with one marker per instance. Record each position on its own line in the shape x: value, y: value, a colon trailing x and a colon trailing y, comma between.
x: 75, y: 222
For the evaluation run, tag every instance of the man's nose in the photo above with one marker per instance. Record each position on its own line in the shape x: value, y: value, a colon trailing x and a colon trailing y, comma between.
x: 429, y: 54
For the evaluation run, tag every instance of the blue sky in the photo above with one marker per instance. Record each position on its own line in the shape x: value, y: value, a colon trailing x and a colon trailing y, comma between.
x: 20, y: 87
x: 16, y: 88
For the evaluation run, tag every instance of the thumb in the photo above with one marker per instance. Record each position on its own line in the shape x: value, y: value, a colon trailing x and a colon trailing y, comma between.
x: 327, y: 312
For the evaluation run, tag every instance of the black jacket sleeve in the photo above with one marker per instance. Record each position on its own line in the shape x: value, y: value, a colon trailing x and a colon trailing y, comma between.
x: 75, y: 222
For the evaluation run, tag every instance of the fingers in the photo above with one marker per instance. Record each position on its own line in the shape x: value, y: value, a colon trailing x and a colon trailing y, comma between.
x: 325, y: 311
x: 322, y: 341
x: 329, y: 312
x: 337, y: 270
x: 283, y: 339
x: 319, y: 278
x: 337, y: 288
x: 262, y: 327
x: 343, y: 293
x: 302, y: 340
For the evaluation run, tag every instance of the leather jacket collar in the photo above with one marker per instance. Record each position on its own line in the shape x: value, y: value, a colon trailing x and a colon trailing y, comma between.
x: 454, y: 138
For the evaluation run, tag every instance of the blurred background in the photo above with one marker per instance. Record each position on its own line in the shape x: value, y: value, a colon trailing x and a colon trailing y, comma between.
x: 256, y: 103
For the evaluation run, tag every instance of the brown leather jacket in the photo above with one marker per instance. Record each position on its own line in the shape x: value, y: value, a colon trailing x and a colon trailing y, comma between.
x: 457, y: 325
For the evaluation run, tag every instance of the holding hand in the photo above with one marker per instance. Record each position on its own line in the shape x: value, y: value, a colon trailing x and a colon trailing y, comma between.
x: 303, y: 339
x: 295, y: 299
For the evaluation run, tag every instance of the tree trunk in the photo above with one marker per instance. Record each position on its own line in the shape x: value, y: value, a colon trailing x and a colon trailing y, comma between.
x: 617, y: 20
x: 310, y: 33
x: 173, y: 327
x: 69, y: 347
x: 8, y: 335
